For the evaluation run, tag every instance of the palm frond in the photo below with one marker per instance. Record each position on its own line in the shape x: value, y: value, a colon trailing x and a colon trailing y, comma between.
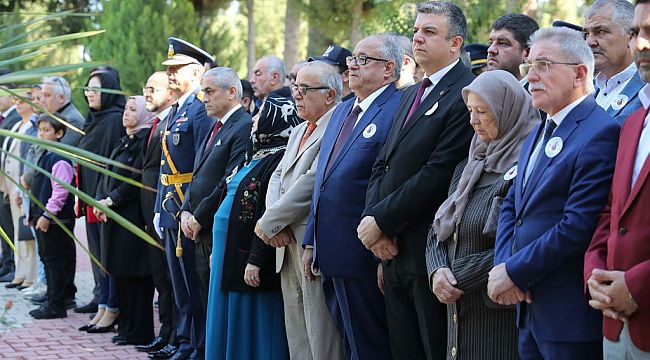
x: 4, y: 236
x: 49, y: 41
x: 21, y: 58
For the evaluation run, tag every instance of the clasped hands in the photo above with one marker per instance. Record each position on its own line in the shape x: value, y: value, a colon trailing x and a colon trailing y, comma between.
x: 610, y: 294
x: 100, y: 214
x: 190, y: 227
x: 283, y: 238
x: 502, y: 290
x: 375, y: 240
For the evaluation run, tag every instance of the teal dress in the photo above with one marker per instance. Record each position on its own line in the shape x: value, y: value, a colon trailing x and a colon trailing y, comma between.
x: 240, y: 325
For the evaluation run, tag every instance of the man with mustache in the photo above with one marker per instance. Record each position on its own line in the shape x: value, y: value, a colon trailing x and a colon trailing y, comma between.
x: 509, y: 43
x: 606, y: 27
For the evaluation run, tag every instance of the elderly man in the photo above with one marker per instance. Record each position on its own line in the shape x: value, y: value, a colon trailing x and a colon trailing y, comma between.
x: 159, y: 99
x: 268, y: 77
x: 311, y: 332
x: 354, y: 136
x: 187, y: 126
x: 550, y: 213
x: 617, y: 263
x: 509, y: 42
x: 55, y: 97
x: 606, y: 27
x: 410, y: 179
x: 218, y: 155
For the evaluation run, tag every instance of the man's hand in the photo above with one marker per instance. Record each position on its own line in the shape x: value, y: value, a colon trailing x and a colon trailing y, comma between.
x: 502, y: 290
x: 19, y: 201
x: 368, y: 231
x: 252, y: 275
x: 196, y: 227
x: 380, y: 277
x: 22, y: 182
x: 610, y: 294
x: 43, y: 224
x: 156, y: 225
x: 385, y: 248
x: 260, y: 233
x: 283, y: 238
x: 185, y: 224
x: 306, y: 264
x: 443, y: 285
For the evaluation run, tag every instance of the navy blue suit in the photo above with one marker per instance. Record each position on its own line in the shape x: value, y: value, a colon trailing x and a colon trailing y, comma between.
x: 545, y: 228
x: 349, y: 270
x: 630, y: 93
x: 184, y: 135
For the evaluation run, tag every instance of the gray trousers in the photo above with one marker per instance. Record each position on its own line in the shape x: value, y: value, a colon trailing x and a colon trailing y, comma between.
x: 623, y: 349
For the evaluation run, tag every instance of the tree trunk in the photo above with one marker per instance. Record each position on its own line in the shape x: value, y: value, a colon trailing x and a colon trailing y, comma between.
x: 291, y: 34
x: 250, y: 4
x: 357, y: 20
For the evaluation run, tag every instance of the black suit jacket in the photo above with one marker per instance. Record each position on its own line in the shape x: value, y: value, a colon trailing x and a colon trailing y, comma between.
x: 150, y: 172
x: 203, y: 196
x: 413, y: 170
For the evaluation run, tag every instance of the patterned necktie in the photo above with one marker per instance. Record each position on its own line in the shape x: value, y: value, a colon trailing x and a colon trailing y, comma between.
x: 548, y: 130
x: 153, y: 129
x: 426, y: 82
x: 346, y: 130
x: 310, y: 129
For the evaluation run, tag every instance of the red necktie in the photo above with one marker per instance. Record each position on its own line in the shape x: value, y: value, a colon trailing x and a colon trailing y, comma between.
x: 426, y: 82
x: 153, y: 130
x: 310, y: 129
x: 213, y: 134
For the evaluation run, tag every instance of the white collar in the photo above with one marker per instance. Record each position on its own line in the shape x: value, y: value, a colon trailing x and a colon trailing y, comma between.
x: 229, y: 114
x: 6, y: 113
x: 162, y: 115
x: 559, y: 116
x: 602, y: 81
x: 365, y: 104
x: 438, y: 75
x: 184, y: 97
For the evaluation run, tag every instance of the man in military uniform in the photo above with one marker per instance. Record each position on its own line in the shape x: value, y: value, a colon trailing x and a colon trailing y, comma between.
x: 187, y: 126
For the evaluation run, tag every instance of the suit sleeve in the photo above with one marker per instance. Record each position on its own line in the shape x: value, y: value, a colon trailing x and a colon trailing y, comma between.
x: 570, y: 237
x: 124, y: 192
x: 372, y: 193
x: 429, y: 185
x: 506, y: 225
x: 208, y: 206
x: 637, y: 279
x: 292, y: 206
x: 596, y: 255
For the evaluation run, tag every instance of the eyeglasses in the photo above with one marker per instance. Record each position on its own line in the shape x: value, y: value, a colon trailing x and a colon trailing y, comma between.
x: 150, y: 90
x: 361, y: 60
x: 540, y: 66
x: 302, y: 89
x: 93, y: 89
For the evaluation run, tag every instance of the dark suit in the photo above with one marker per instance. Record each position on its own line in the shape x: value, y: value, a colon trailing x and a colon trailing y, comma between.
x: 545, y: 227
x: 203, y: 196
x: 7, y: 224
x: 409, y: 181
x: 350, y: 276
x: 159, y: 270
x: 184, y: 135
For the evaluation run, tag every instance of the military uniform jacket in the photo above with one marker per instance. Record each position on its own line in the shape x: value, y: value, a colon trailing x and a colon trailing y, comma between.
x: 184, y: 135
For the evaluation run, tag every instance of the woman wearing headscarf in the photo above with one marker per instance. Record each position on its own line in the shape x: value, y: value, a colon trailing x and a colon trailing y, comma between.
x: 460, y: 245
x: 124, y: 254
x: 245, y: 313
x: 103, y: 128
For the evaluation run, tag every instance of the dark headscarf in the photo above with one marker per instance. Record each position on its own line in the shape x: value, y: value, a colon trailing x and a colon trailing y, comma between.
x: 512, y: 109
x: 276, y: 119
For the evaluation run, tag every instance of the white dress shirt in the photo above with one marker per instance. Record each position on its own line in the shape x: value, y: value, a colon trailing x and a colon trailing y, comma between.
x: 612, y: 87
x: 643, y: 149
x: 365, y: 104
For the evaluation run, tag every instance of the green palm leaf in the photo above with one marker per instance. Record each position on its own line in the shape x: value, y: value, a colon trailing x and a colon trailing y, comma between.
x: 21, y: 58
x: 49, y: 41
x: 4, y: 236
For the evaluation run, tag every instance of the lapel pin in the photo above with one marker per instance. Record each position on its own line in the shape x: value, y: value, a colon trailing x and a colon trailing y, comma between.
x: 511, y: 174
x: 553, y: 147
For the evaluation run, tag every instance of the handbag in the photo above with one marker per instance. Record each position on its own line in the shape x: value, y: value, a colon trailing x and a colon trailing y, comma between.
x: 24, y: 231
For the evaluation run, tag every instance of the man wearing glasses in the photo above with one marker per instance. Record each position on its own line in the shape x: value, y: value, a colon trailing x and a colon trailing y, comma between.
x: 354, y: 136
x: 56, y: 96
x: 311, y: 332
x: 550, y: 214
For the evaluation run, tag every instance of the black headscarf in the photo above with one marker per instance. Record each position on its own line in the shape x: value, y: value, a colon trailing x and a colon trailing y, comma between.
x: 276, y: 119
x: 103, y: 127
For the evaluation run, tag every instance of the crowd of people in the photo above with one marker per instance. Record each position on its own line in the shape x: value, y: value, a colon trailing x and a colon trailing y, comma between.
x: 410, y: 199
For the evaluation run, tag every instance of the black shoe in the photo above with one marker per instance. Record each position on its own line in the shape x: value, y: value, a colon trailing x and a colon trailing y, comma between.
x: 117, y: 338
x: 103, y: 329
x: 39, y: 299
x: 22, y: 287
x: 157, y: 344
x: 121, y: 342
x: 181, y: 356
x: 13, y: 285
x: 87, y: 309
x: 164, y: 353
x: 86, y: 327
x: 70, y: 304
x: 46, y: 312
x: 7, y: 277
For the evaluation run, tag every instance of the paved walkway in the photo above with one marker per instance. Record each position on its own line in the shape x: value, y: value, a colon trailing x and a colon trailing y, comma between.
x: 29, y: 339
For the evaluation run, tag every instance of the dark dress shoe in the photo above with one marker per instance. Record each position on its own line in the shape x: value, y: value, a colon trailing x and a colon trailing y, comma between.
x: 157, y: 344
x: 117, y: 338
x: 22, y: 287
x: 46, y: 312
x: 86, y: 327
x: 165, y: 353
x: 70, y: 304
x: 39, y: 299
x: 121, y: 342
x: 13, y: 285
x: 7, y: 277
x: 87, y: 309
